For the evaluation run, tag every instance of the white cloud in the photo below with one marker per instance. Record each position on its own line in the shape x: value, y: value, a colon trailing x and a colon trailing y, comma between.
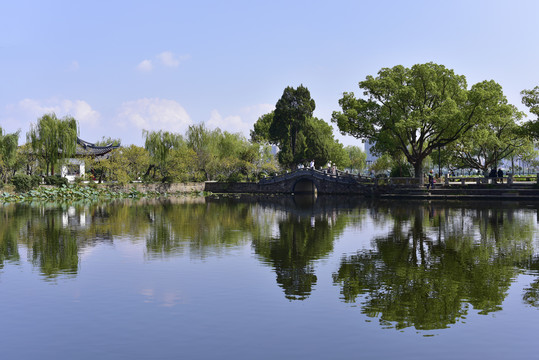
x: 252, y: 113
x: 231, y: 124
x: 242, y: 123
x: 21, y: 115
x: 145, y: 65
x: 74, y: 66
x: 169, y: 59
x: 154, y: 114
x: 33, y: 109
x: 166, y: 58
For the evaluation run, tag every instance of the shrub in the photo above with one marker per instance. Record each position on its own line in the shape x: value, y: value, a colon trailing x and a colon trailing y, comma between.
x: 24, y: 183
x: 235, y: 177
x: 401, y: 170
x: 55, y: 180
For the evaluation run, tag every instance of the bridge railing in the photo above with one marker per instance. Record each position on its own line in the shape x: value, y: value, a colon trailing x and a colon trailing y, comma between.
x: 339, y: 176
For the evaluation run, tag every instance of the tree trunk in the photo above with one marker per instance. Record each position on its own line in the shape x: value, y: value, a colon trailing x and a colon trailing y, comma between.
x: 418, y: 169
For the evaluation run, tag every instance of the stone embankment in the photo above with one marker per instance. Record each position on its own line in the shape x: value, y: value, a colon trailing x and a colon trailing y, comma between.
x: 502, y: 192
x: 160, y: 188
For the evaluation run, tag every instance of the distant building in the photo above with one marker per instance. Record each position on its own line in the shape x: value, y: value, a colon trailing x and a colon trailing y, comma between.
x: 371, y: 158
x: 75, y: 167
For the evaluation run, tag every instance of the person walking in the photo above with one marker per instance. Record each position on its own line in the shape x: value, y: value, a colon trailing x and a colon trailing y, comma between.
x: 431, y: 180
x: 500, y: 175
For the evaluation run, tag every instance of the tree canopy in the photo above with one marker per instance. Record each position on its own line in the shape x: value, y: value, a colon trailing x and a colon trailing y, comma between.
x: 299, y: 136
x: 415, y: 110
x: 8, y: 152
x: 530, y: 98
x: 53, y: 139
x: 485, y: 145
x: 291, y: 113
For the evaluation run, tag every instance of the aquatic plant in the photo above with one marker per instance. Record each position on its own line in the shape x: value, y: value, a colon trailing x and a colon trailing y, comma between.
x: 75, y: 192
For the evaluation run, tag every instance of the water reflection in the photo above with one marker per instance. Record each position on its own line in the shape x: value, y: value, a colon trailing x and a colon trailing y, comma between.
x: 293, y: 250
x: 430, y: 265
x: 9, y: 251
x: 200, y: 229
x: 435, y: 262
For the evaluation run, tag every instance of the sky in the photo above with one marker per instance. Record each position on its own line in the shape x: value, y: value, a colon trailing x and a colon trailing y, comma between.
x: 121, y: 67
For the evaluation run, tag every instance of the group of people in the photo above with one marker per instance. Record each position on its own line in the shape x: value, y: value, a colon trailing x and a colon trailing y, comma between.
x: 492, y: 174
x: 311, y: 165
x: 498, y: 174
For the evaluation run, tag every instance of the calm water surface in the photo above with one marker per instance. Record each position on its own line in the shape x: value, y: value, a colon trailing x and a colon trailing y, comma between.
x: 269, y: 278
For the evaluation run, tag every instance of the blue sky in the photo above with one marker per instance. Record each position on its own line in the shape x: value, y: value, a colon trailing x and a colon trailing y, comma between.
x: 120, y: 67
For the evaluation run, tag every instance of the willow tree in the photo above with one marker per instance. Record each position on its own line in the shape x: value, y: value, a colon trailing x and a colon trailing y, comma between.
x: 53, y: 139
x: 159, y: 145
x: 8, y: 152
x: 414, y: 110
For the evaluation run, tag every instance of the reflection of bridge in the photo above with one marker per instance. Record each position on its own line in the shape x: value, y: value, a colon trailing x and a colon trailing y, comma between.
x: 312, y: 181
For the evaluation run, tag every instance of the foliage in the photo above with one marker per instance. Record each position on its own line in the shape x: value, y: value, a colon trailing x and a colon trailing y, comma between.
x: 53, y: 139
x: 530, y: 98
x: 131, y: 161
x: 24, y: 182
x: 498, y: 138
x: 76, y: 192
x: 26, y: 160
x: 358, y: 158
x: 291, y: 113
x: 159, y: 144
x: 300, y: 137
x: 415, y: 110
x: 204, y: 143
x: 261, y: 129
x: 401, y: 169
x: 55, y: 180
x: 382, y: 164
x: 180, y: 165
x: 8, y: 151
x: 225, y: 156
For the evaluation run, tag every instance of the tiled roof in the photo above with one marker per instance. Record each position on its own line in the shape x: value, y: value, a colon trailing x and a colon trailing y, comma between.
x: 84, y: 148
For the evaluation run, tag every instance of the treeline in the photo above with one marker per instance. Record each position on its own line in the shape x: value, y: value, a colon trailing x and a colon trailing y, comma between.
x: 414, y: 118
x: 200, y: 154
x: 426, y: 114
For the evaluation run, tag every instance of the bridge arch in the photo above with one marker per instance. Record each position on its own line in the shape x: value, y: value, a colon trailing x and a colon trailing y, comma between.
x: 304, y: 185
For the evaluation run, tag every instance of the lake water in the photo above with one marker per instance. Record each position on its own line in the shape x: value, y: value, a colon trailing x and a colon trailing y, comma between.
x: 269, y: 278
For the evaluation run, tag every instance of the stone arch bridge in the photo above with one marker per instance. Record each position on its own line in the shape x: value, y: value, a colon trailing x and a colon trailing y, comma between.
x: 300, y: 181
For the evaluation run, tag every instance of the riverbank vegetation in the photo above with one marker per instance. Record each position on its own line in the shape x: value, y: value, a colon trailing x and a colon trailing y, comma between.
x: 414, y: 118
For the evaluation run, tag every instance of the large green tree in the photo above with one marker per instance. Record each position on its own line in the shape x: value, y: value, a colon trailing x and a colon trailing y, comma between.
x: 484, y: 146
x: 415, y: 110
x: 291, y: 114
x: 53, y: 139
x: 299, y: 136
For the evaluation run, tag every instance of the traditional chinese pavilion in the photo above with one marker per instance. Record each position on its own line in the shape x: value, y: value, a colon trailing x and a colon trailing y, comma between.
x: 75, y: 167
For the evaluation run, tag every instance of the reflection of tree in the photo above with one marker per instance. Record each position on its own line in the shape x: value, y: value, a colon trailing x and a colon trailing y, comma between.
x: 201, y: 229
x: 531, y: 293
x: 426, y: 271
x: 300, y: 242
x: 9, y: 250
x: 55, y: 249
